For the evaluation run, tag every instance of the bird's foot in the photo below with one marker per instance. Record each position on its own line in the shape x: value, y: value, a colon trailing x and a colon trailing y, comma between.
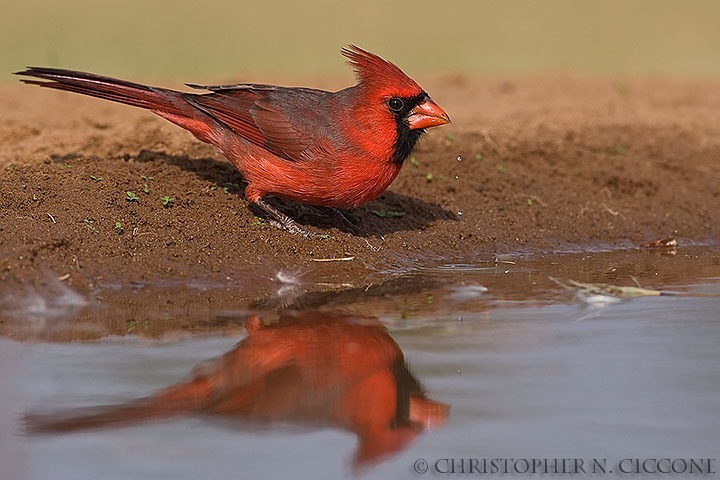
x: 282, y: 221
x: 332, y: 213
x: 348, y: 223
x: 292, y: 227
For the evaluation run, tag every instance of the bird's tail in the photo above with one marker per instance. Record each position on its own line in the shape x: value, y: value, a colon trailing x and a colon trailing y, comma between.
x: 184, y: 398
x: 92, y: 417
x: 121, y: 91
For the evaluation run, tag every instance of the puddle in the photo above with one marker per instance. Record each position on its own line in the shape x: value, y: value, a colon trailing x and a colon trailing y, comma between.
x: 527, y: 368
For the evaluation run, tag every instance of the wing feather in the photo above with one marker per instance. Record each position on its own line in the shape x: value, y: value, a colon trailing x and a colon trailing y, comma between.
x: 284, y: 121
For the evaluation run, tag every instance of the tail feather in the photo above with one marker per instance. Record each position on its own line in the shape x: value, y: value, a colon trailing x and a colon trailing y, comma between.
x: 93, y: 417
x: 121, y: 91
x: 183, y: 398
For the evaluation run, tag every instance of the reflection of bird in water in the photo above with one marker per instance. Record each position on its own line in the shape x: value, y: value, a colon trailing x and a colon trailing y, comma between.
x: 335, y: 371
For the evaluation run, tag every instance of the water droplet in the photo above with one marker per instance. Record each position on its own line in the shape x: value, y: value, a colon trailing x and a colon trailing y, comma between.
x: 459, y: 158
x: 457, y: 177
x: 460, y: 212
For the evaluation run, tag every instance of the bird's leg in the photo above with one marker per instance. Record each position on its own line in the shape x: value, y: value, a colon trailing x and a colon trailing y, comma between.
x: 329, y: 212
x: 354, y: 228
x: 281, y: 220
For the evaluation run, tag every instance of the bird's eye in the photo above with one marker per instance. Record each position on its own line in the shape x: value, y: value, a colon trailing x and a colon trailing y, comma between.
x: 395, y: 104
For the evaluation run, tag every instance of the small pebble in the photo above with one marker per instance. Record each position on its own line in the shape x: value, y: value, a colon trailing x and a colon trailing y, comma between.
x: 459, y: 158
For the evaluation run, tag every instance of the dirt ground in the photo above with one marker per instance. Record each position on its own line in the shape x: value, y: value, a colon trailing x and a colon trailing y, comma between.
x: 528, y: 165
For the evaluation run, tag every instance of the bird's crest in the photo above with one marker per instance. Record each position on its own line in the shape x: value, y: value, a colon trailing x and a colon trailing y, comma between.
x: 376, y: 72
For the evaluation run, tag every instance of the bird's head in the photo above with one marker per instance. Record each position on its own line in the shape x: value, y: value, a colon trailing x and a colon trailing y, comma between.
x: 400, y: 94
x: 392, y: 94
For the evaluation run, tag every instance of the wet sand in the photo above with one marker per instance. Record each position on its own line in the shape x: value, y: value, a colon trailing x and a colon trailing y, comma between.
x: 529, y: 165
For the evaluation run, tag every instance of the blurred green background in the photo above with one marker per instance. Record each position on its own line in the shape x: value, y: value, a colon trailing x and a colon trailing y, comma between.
x: 193, y: 40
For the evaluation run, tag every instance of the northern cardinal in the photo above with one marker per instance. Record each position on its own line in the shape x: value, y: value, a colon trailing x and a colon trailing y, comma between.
x: 338, y: 371
x: 336, y: 149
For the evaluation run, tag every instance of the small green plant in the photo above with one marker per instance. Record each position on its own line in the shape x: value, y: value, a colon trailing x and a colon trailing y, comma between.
x: 500, y: 168
x: 388, y: 213
x: 231, y: 187
x: 146, y: 187
x: 131, y: 196
x: 167, y: 201
x: 89, y: 223
x: 530, y: 202
x: 414, y: 161
x: 478, y: 156
x: 429, y: 177
x: 619, y: 149
x: 450, y: 137
x: 258, y: 221
x: 96, y: 178
x: 130, y: 326
x: 118, y: 227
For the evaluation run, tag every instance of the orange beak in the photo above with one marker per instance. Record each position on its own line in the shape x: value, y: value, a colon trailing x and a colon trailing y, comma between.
x: 427, y: 114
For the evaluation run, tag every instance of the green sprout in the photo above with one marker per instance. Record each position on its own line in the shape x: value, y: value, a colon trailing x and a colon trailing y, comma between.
x: 231, y: 187
x: 167, y: 201
x: 131, y: 196
x: 146, y: 187
x: 89, y: 224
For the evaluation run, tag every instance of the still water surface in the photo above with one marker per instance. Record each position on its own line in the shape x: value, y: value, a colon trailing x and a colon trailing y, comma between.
x: 551, y: 376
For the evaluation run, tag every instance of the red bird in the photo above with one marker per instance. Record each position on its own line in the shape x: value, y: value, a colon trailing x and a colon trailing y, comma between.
x: 337, y: 149
x: 330, y: 370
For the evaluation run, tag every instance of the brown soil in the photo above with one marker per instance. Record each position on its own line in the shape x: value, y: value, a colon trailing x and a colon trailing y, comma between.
x: 547, y: 164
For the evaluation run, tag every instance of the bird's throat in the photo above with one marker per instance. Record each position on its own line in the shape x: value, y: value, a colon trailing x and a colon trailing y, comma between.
x: 404, y: 142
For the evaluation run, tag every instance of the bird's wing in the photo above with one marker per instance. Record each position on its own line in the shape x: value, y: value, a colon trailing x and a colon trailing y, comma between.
x: 288, y: 122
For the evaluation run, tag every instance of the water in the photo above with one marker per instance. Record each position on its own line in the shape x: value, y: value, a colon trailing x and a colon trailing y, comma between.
x: 529, y: 371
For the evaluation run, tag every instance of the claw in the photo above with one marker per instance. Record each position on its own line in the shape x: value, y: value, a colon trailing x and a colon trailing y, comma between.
x: 282, y: 221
